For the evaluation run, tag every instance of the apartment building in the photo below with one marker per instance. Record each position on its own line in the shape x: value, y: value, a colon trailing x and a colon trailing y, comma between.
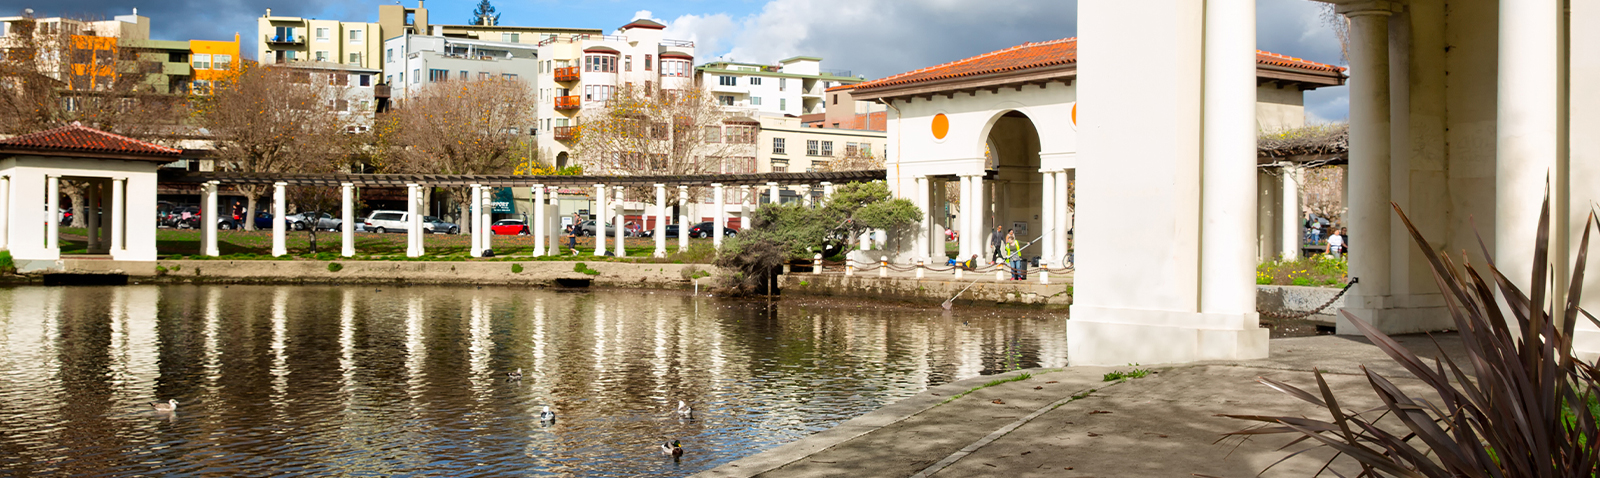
x: 581, y: 71
x: 285, y: 40
x: 119, y: 53
x: 794, y: 86
x: 413, y: 61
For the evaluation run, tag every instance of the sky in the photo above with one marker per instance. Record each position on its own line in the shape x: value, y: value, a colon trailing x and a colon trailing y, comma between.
x: 875, y: 38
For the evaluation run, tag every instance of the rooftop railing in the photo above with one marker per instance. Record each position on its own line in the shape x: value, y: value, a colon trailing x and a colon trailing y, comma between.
x: 678, y: 43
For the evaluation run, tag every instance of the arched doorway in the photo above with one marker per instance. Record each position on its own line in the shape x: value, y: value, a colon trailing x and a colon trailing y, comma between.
x: 561, y: 160
x: 1014, y: 194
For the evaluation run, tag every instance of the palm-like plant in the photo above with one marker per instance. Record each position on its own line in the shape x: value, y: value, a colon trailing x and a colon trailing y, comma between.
x: 1519, y: 408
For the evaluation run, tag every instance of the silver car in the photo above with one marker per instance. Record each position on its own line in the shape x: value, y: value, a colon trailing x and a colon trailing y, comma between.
x: 386, y: 221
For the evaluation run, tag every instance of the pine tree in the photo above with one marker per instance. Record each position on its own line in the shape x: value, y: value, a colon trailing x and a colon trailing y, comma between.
x: 485, y: 12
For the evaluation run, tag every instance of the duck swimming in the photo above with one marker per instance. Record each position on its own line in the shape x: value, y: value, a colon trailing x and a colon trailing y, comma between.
x: 517, y: 375
x: 547, y: 415
x: 684, y: 411
x: 167, y: 406
x: 672, y: 449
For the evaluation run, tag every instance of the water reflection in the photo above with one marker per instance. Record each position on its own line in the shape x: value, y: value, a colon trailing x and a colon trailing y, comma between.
x: 352, y: 380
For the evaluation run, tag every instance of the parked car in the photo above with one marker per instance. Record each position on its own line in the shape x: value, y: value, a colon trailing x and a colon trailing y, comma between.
x: 703, y: 230
x: 386, y: 221
x: 587, y: 229
x: 434, y: 225
x: 188, y: 217
x: 509, y: 227
x: 326, y: 222
x: 672, y: 231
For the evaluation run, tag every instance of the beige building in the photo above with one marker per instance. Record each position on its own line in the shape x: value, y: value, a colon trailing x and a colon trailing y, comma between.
x: 285, y: 39
x: 794, y: 86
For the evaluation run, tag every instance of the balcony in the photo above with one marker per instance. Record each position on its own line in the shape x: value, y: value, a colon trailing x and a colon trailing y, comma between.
x: 566, y: 133
x: 677, y: 43
x: 568, y: 102
x: 381, y: 90
x: 285, y: 40
x: 567, y: 74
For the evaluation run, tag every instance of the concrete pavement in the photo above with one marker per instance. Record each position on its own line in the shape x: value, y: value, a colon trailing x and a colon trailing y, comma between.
x: 1072, y: 423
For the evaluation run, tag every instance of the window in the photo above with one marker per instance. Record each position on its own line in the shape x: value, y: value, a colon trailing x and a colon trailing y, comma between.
x: 647, y: 62
x: 202, y: 61
x: 850, y: 149
x: 600, y: 63
x: 178, y: 57
x: 508, y: 76
x: 827, y: 148
x: 463, y: 75
x: 783, y: 83
x: 416, y: 75
x: 598, y: 92
x: 780, y: 169
x: 783, y: 104
x: 322, y: 34
x: 713, y: 134
x: 678, y: 68
x: 483, y: 75
x: 388, y: 79
x: 811, y: 147
x: 389, y: 55
x: 511, y: 37
x: 836, y: 98
x: 355, y: 59
x: 341, y: 105
x: 202, y: 87
x: 725, y: 100
x: 755, y: 81
x: 356, y: 36
x: 627, y: 63
x: 438, y: 75
x: 755, y: 100
x: 777, y: 146
x: 726, y: 80
x: 366, y: 80
x: 322, y: 55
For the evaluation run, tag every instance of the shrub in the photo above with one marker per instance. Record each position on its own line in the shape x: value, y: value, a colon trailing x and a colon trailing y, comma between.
x: 516, y: 268
x: 579, y: 267
x: 6, y: 264
x: 335, y: 267
x: 692, y: 273
x: 1520, y: 408
x: 161, y: 271
x: 1321, y: 269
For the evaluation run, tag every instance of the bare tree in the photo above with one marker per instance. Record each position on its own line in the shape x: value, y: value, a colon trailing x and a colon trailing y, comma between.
x: 465, y: 127
x: 1322, y: 192
x: 665, y: 132
x: 274, y: 120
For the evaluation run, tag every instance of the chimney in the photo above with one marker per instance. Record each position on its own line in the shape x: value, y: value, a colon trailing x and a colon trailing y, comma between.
x: 269, y: 12
x: 419, y: 3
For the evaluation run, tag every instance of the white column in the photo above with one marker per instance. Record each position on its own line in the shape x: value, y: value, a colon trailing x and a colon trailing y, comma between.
x: 347, y: 219
x: 91, y: 201
x: 5, y: 213
x: 208, y: 221
x: 119, y: 213
x: 1368, y: 173
x: 411, y: 221
x: 475, y: 209
x: 1228, y: 164
x: 1291, y: 214
x: 622, y: 242
x: 722, y: 216
x: 1047, y: 218
x: 1527, y: 139
x: 538, y: 220
x: 485, y: 217
x: 773, y: 196
x: 52, y: 214
x: 1063, y: 220
x: 744, y: 207
x: 1583, y: 162
x: 661, y: 221
x: 683, y: 218
x: 280, y: 207
x: 964, y: 220
x: 827, y: 189
x: 600, y: 218
x: 924, y: 226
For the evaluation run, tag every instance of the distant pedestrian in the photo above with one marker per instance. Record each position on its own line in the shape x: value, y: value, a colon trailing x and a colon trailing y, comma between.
x: 997, y: 239
x: 1338, y: 244
x: 1013, y: 254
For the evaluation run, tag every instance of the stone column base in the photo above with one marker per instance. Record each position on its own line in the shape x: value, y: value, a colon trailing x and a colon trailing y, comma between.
x: 1395, y: 315
x: 1105, y: 336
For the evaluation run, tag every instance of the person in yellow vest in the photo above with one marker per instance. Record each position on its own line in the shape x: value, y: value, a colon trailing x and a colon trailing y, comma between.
x: 1013, y: 254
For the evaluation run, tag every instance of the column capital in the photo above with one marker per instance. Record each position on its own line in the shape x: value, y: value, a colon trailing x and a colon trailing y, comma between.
x: 347, y: 185
x: 683, y: 187
x: 660, y: 185
x: 1369, y: 7
x: 772, y: 184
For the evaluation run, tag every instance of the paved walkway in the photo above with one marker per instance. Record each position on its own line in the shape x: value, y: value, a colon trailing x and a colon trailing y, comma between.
x: 1162, y: 425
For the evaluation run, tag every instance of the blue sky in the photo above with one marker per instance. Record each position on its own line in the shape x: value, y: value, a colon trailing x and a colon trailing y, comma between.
x: 875, y: 38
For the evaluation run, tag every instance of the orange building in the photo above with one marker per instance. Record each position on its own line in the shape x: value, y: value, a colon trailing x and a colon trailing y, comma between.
x: 92, y: 62
x: 213, y: 61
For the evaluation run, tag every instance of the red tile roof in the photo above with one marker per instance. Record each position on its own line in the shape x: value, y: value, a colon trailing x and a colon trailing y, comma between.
x: 76, y: 138
x: 842, y: 88
x: 1039, y: 55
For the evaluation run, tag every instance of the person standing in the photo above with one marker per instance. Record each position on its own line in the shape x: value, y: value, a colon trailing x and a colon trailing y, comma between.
x: 997, y: 240
x: 1337, y: 244
x: 1013, y: 254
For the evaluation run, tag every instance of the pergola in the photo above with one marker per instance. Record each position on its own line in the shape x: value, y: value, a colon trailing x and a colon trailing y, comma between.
x: 545, y: 222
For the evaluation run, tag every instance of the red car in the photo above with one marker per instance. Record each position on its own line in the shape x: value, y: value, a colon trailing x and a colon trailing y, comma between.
x: 509, y: 227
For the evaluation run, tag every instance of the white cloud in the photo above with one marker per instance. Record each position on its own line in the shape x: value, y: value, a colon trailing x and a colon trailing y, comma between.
x: 645, y: 14
x: 708, y: 32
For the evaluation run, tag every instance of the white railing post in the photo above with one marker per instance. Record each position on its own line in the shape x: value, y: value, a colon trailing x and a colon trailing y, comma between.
x: 883, y: 266
x: 920, y: 265
x: 816, y: 263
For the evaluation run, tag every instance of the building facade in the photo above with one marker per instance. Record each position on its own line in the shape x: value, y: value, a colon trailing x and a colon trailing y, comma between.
x: 285, y: 39
x: 411, y: 62
x: 795, y: 86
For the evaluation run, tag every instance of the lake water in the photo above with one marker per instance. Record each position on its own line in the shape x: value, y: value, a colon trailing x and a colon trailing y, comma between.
x: 386, y: 380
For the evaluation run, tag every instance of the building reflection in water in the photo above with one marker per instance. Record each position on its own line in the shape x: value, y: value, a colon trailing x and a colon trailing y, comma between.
x: 410, y: 380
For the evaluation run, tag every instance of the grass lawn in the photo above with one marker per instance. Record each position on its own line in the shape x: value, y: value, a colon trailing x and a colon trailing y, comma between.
x: 172, y: 243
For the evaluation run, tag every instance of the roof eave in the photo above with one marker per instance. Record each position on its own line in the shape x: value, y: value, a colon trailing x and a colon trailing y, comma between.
x: 1064, y: 72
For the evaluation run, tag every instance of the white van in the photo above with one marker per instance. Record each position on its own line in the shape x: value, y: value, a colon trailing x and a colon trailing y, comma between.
x: 386, y: 221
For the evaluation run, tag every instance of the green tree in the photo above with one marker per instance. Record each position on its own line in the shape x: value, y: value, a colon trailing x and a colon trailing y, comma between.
x: 484, y: 15
x: 780, y: 232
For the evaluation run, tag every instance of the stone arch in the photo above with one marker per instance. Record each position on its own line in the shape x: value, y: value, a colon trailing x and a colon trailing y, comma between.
x: 561, y: 160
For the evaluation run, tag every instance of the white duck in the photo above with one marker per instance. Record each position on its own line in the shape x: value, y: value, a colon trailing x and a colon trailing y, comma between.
x: 168, y: 406
x: 547, y: 415
x: 684, y: 411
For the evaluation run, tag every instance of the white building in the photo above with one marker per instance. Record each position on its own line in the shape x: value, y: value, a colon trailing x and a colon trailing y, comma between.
x: 795, y: 86
x: 413, y: 61
x: 579, y: 71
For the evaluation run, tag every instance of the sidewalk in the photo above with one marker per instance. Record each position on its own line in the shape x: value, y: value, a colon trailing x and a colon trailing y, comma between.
x: 1162, y: 425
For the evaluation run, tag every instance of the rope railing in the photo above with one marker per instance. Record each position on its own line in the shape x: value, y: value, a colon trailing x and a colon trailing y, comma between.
x: 849, y: 267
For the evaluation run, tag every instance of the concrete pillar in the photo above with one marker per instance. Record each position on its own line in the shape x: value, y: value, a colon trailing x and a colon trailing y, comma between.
x: 827, y: 189
x: 208, y: 220
x: 621, y: 218
x: 721, y: 217
x: 347, y: 219
x: 683, y: 218
x: 5, y: 212
x: 1290, y: 214
x: 1063, y: 215
x: 52, y: 214
x: 774, y: 197
x: 1583, y: 163
x: 411, y: 221
x: 745, y: 198
x: 600, y: 218
x: 1228, y: 168
x: 1527, y: 140
x: 485, y: 217
x: 1047, y: 219
x: 964, y: 246
x: 91, y: 200
x: 661, y: 221
x: 1368, y: 174
x: 936, y: 214
x: 924, y: 226
x: 119, y: 213
x: 475, y: 209
x: 103, y: 205
x: 538, y: 220
x: 280, y: 207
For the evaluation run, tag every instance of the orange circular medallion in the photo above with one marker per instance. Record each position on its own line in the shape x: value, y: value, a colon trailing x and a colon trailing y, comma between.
x: 941, y: 126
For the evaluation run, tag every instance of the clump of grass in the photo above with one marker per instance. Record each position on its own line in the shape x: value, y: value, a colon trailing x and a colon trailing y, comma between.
x: 1116, y: 376
x: 516, y: 268
x: 7, y: 265
x: 584, y: 268
x: 161, y: 271
x: 335, y: 267
x: 1017, y: 378
x: 1319, y: 270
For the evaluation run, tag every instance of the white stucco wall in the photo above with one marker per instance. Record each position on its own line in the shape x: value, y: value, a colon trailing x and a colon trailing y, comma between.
x: 26, y: 217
